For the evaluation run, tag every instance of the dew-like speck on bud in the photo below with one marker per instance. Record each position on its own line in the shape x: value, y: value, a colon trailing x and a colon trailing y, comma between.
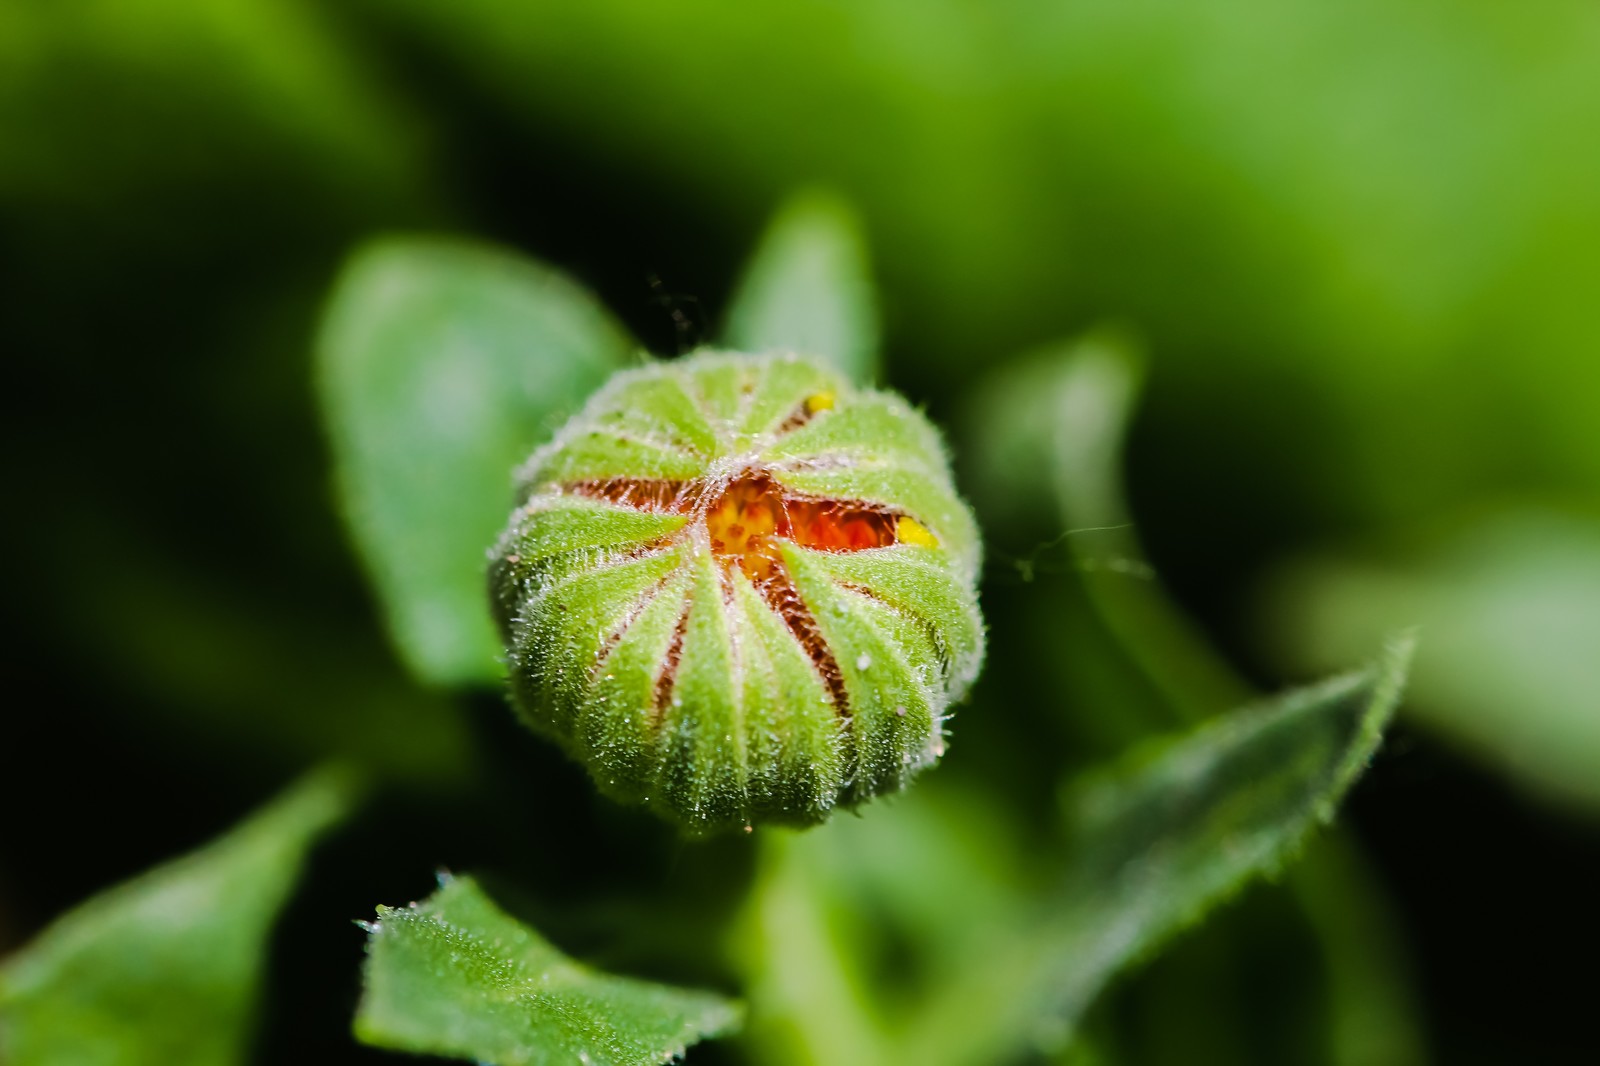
x: 740, y: 591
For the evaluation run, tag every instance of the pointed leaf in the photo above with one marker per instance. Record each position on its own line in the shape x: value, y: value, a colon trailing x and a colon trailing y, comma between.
x: 441, y: 365
x: 1065, y: 413
x: 165, y: 969
x: 808, y: 289
x: 454, y: 975
x: 1160, y: 841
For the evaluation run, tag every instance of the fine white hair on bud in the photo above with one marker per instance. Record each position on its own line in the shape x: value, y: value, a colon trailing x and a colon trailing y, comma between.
x: 740, y: 590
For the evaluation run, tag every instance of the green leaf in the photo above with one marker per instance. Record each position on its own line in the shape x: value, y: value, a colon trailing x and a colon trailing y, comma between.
x: 166, y: 969
x: 1509, y: 603
x: 1065, y: 412
x: 921, y: 889
x: 442, y: 364
x: 1160, y: 840
x: 454, y: 975
x: 808, y: 289
x: 1373, y: 1010
x: 1062, y: 416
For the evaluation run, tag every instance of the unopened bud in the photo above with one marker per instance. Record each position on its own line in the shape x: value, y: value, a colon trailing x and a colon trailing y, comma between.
x: 739, y: 590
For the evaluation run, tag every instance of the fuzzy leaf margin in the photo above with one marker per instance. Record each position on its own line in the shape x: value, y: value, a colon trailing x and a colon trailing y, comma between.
x: 455, y: 975
x: 165, y: 969
x: 1162, y: 838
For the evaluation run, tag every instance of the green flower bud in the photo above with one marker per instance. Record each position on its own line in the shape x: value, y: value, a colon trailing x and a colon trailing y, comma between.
x: 738, y: 589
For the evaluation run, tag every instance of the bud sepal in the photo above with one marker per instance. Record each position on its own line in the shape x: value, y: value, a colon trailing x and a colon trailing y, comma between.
x: 740, y: 590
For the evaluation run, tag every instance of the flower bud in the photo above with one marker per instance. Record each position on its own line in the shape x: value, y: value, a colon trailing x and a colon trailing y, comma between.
x: 738, y: 589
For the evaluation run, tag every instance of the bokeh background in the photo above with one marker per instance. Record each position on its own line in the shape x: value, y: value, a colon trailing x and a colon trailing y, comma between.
x: 1357, y: 244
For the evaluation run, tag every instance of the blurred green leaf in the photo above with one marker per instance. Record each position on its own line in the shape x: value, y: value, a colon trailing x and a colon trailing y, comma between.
x: 161, y: 118
x: 1509, y: 608
x: 851, y: 925
x: 811, y: 1001
x: 808, y: 289
x: 1064, y: 413
x: 1060, y: 417
x: 454, y: 975
x: 441, y: 365
x: 1374, y: 1014
x: 166, y: 969
x: 1057, y: 416
x: 1160, y: 840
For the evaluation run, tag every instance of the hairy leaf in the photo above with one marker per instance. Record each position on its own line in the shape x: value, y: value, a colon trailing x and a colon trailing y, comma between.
x: 454, y: 975
x: 441, y: 365
x: 933, y: 890
x: 165, y: 969
x: 808, y: 289
x: 1066, y: 411
x: 1160, y: 840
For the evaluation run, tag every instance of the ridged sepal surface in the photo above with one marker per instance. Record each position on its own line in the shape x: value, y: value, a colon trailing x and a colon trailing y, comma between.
x: 740, y: 590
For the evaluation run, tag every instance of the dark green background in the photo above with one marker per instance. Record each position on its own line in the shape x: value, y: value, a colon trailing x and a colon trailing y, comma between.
x: 1360, y: 243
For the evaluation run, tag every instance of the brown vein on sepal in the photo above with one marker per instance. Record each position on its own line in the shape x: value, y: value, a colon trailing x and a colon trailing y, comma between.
x: 667, y: 679
x: 781, y: 594
x: 815, y: 523
x: 928, y: 628
x: 797, y: 418
x: 635, y: 612
x: 665, y: 495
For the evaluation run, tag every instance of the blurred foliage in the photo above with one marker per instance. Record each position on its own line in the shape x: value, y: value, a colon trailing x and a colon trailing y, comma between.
x: 1356, y: 245
x: 167, y: 968
x: 181, y: 105
x: 1153, y: 844
x: 1065, y: 412
x: 1061, y: 417
x: 1362, y: 205
x: 808, y: 289
x: 1511, y: 605
x: 441, y: 366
